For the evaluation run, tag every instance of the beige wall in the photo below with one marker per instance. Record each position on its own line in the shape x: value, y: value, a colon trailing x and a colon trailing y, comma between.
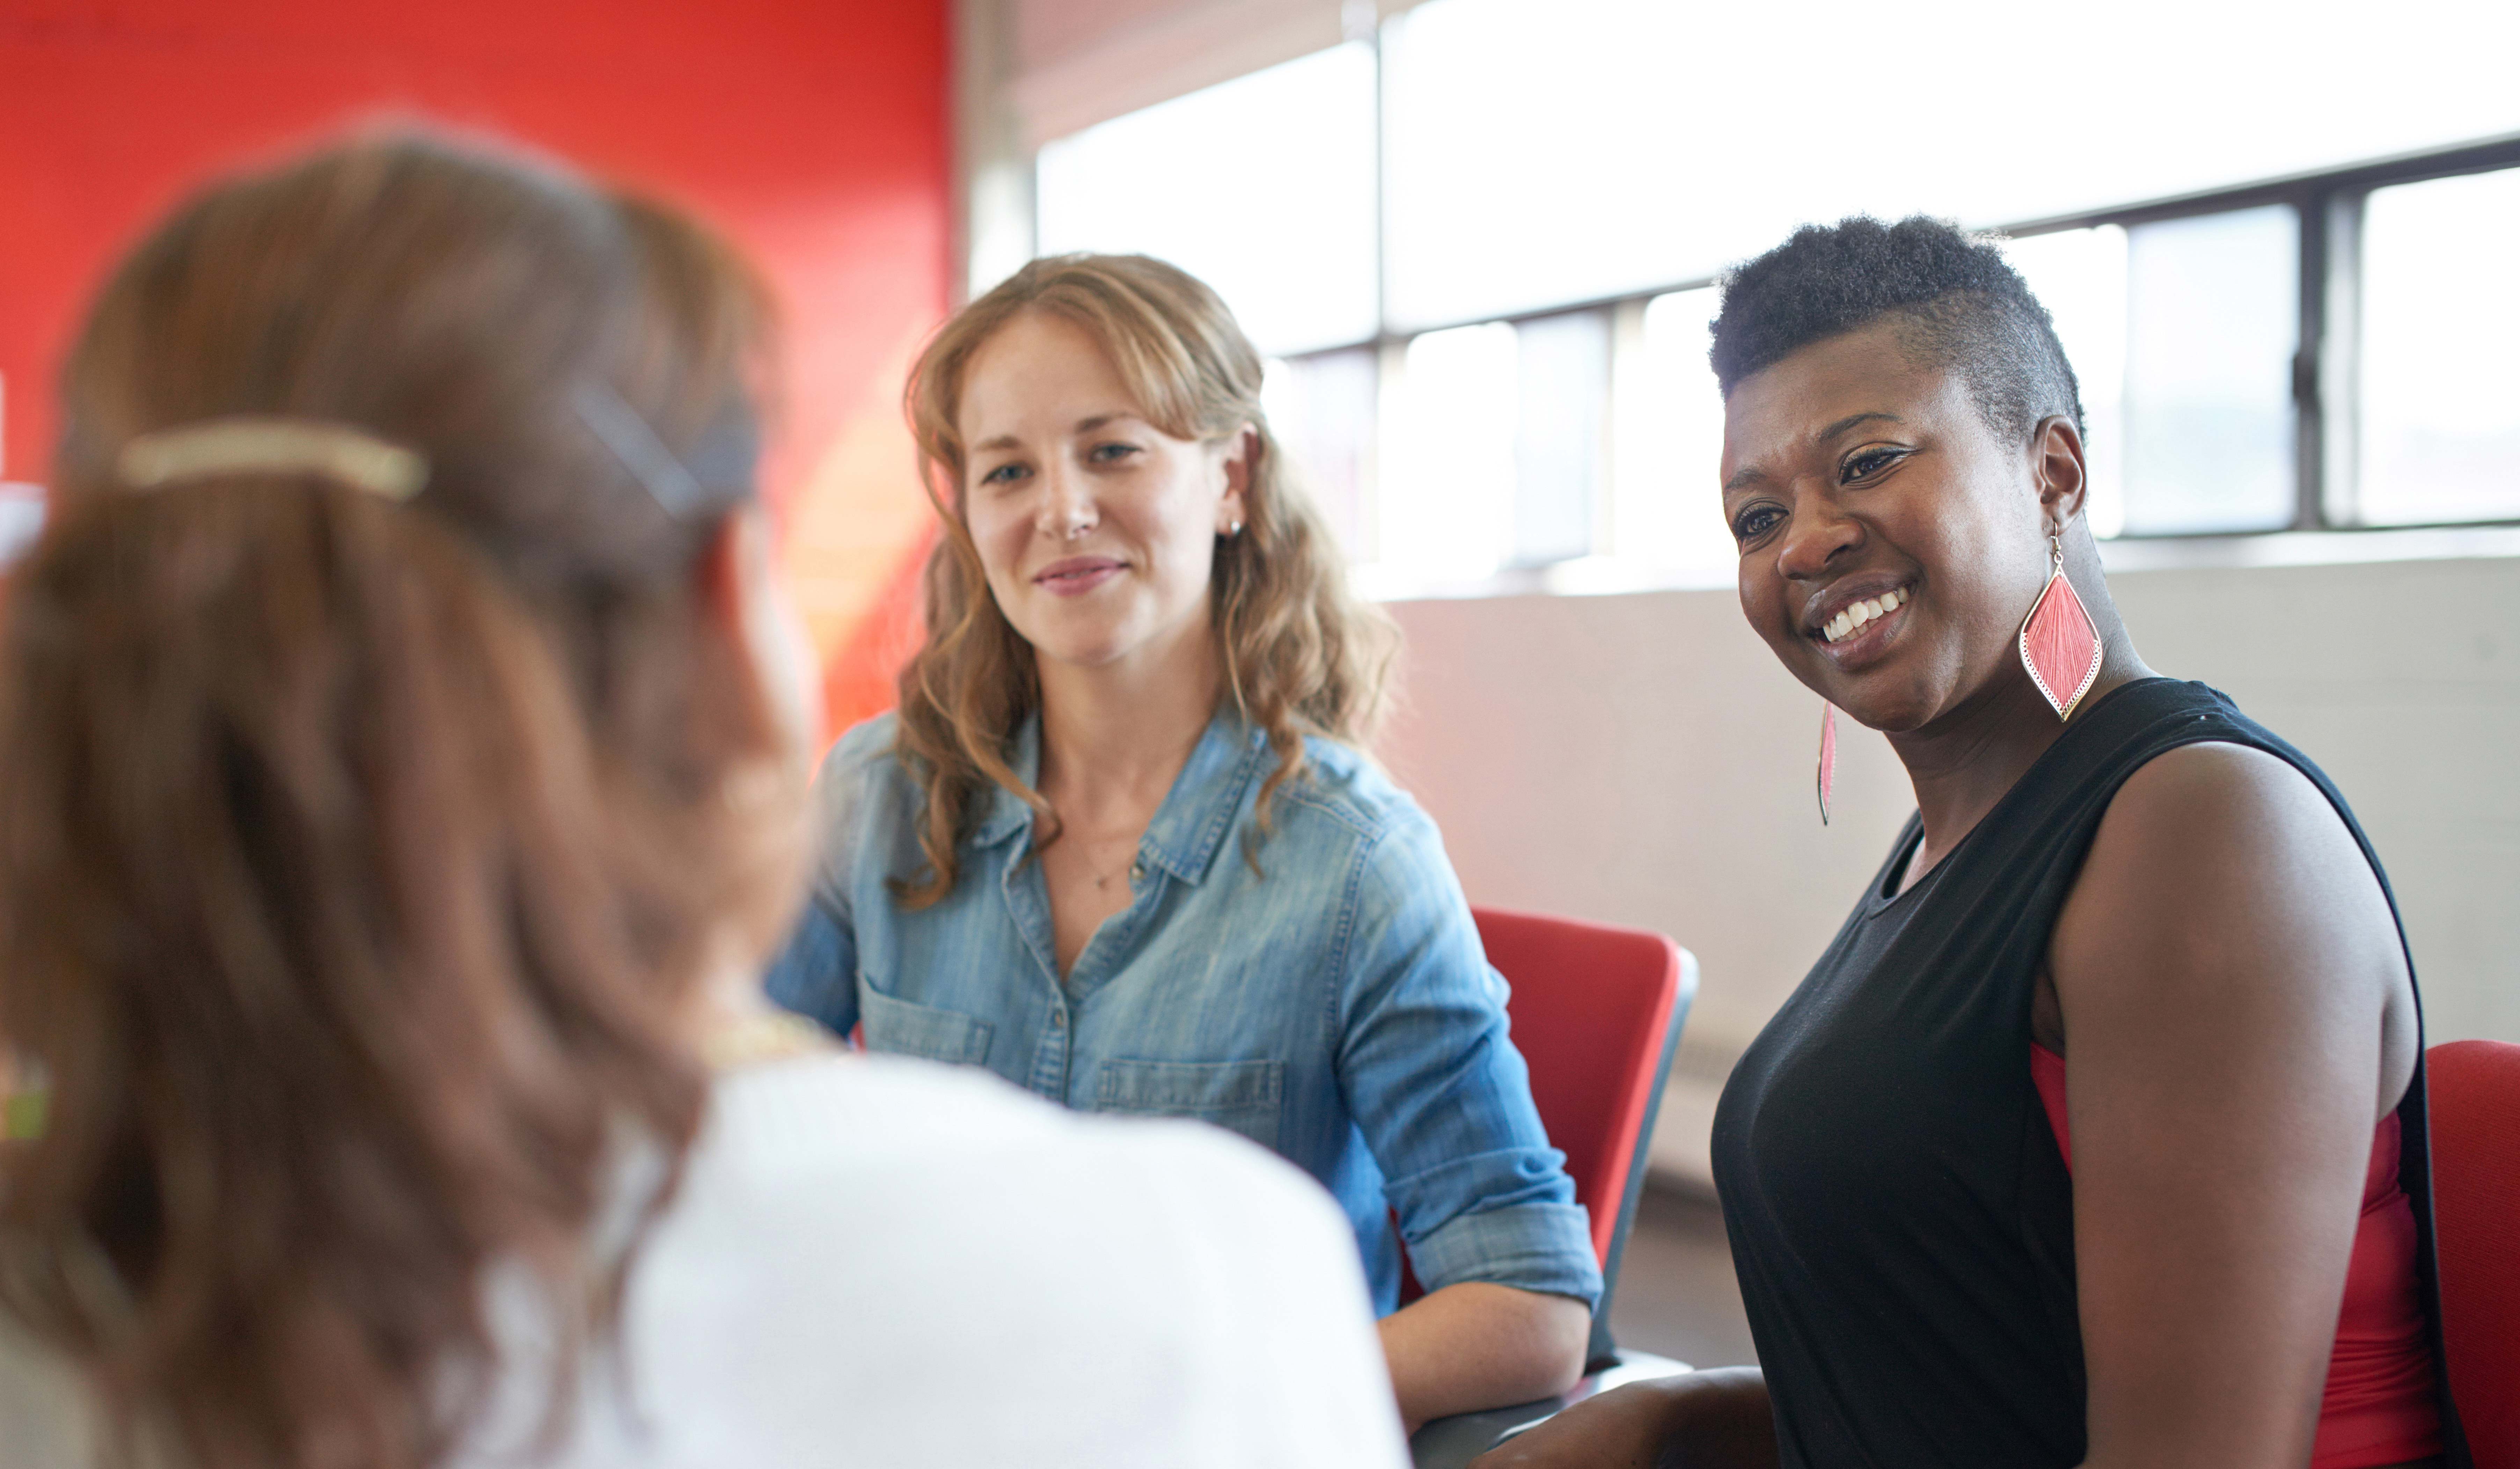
x: 1642, y: 759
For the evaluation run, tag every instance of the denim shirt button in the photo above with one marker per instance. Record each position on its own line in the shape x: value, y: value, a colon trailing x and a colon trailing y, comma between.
x: 1137, y: 872
x: 1058, y: 1020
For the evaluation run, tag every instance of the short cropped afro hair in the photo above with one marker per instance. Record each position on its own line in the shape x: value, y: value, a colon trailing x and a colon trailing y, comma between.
x: 1963, y: 305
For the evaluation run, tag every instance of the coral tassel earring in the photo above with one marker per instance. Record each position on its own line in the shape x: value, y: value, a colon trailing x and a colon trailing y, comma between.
x: 2059, y: 646
x: 1828, y: 756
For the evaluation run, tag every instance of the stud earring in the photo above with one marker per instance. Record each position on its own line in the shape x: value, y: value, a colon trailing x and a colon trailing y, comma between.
x: 1828, y: 756
x: 2059, y: 645
x: 1234, y: 529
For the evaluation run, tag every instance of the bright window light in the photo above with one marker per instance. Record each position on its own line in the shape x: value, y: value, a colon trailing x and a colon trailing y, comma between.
x: 1446, y: 489
x: 1667, y: 420
x: 2212, y: 323
x: 2440, y: 430
x: 2081, y: 277
x: 21, y: 520
x: 1584, y: 149
x: 1321, y: 410
x: 1560, y: 456
x: 1263, y: 187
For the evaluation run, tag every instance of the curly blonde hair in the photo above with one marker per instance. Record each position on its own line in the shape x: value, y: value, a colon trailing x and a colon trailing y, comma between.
x: 1300, y: 654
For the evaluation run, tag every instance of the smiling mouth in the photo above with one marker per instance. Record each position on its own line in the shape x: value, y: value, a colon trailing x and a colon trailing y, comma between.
x: 1077, y: 576
x: 1858, y: 615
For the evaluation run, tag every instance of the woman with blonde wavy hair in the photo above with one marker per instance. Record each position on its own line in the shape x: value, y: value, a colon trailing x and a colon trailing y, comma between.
x: 1120, y: 845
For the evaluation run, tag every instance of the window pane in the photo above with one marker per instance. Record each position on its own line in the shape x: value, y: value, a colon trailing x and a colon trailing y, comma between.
x: 2081, y: 277
x: 1668, y: 510
x: 2440, y: 426
x: 2213, y: 317
x: 1321, y: 409
x: 1560, y: 458
x: 1541, y: 154
x: 1263, y: 187
x: 1447, y: 483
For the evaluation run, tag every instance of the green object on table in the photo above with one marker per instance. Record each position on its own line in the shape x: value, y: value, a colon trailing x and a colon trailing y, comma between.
x: 21, y: 1117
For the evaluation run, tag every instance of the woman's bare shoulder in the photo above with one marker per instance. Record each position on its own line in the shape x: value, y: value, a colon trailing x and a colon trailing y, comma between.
x: 2224, y: 885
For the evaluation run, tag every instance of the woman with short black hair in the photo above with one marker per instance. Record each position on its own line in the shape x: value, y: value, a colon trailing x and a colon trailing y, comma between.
x: 2096, y: 1136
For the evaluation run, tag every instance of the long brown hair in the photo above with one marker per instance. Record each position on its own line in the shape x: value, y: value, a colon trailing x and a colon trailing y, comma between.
x: 358, y: 860
x: 1300, y: 654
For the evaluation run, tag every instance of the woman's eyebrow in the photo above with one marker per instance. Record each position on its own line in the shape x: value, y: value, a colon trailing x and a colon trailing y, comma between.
x: 1749, y: 474
x: 1852, y: 418
x: 1083, y: 426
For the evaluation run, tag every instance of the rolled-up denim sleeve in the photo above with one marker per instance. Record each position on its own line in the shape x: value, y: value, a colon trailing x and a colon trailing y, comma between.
x: 816, y: 974
x: 1443, y: 1097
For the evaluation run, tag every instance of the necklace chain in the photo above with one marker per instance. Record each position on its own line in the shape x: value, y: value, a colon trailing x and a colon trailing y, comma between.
x: 1134, y: 867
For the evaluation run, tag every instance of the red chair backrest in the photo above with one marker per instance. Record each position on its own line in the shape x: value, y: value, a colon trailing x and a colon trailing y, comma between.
x: 1595, y: 1011
x: 2475, y: 1103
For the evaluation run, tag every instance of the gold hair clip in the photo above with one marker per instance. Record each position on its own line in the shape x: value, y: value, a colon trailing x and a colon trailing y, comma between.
x: 273, y: 446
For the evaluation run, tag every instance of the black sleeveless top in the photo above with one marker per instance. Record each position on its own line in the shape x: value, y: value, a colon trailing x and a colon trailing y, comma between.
x: 1900, y: 1216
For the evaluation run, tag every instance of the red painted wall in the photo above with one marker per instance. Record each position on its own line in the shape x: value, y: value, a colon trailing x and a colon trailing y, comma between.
x: 816, y: 134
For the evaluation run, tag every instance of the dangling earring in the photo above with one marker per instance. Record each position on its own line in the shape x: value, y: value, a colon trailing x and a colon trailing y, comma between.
x: 2059, y: 646
x: 1828, y: 756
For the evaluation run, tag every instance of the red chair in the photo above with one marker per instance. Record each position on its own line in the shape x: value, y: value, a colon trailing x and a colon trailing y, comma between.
x: 2475, y: 1102
x: 1597, y: 1013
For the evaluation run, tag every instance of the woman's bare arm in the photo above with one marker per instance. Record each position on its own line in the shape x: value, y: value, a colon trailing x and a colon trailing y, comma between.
x: 2236, y: 1015
x: 1715, y: 1419
x: 1477, y: 1346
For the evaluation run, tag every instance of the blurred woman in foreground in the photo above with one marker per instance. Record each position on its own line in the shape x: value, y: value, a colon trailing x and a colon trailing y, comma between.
x: 406, y: 745
x: 2097, y: 1135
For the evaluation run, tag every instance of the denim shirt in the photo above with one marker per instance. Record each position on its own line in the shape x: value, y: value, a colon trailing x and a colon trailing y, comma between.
x: 1318, y: 988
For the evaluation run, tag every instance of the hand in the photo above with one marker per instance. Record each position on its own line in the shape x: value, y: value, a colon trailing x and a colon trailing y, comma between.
x: 1716, y: 1419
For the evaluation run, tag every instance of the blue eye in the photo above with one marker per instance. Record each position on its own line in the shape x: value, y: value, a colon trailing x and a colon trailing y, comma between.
x: 1112, y: 453
x: 1004, y: 473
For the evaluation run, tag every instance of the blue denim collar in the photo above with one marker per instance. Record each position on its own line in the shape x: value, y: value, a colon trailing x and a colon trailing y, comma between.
x: 1196, y: 813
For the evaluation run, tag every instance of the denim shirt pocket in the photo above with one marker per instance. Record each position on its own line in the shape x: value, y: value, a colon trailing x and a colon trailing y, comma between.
x: 904, y: 1029
x: 1239, y: 1097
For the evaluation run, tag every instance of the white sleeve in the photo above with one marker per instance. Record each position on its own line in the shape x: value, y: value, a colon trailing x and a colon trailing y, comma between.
x: 1273, y: 1303
x: 884, y: 1264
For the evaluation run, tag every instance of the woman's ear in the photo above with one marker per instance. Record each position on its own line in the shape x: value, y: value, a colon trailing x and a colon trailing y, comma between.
x: 746, y: 604
x: 1241, y: 459
x: 2056, y: 458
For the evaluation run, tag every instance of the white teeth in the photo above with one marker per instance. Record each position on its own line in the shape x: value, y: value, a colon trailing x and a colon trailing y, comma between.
x: 1862, y: 612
